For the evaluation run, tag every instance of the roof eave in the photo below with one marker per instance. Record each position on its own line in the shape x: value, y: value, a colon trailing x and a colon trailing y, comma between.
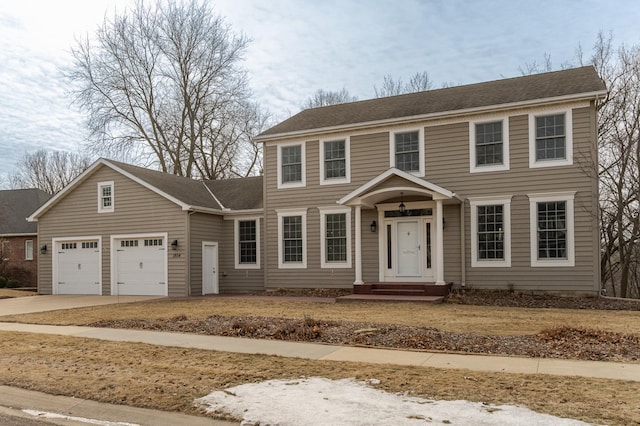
x: 442, y: 114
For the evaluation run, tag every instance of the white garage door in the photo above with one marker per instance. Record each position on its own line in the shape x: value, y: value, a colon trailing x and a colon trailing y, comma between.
x: 140, y: 266
x: 78, y: 267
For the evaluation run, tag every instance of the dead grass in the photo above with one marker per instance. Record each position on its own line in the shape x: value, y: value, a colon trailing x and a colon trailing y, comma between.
x: 9, y: 292
x: 171, y: 378
x: 483, y: 320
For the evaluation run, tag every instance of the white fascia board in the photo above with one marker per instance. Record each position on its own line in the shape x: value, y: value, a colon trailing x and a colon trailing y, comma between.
x: 443, y: 114
x: 397, y: 172
x: 18, y: 235
x: 63, y: 192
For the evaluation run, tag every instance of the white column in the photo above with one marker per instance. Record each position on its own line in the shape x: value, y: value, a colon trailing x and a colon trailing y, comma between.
x: 439, y: 244
x: 358, y: 221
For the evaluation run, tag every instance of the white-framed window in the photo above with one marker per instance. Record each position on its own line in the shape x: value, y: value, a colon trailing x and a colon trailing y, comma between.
x: 335, y: 237
x: 291, y: 165
x: 106, y: 200
x: 491, y: 232
x: 552, y: 229
x: 292, y: 238
x: 406, y: 150
x: 489, y: 145
x: 334, y: 161
x: 551, y: 138
x: 4, y: 250
x: 28, y: 250
x: 247, y: 246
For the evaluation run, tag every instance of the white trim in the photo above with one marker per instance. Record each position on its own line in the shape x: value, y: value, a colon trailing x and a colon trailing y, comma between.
x: 217, y: 264
x: 303, y: 172
x: 435, y: 190
x: 534, y: 199
x: 347, y: 161
x: 101, y: 207
x: 475, y: 202
x: 473, y: 167
x: 26, y: 252
x: 236, y: 242
x: 54, y: 260
x: 214, y: 197
x: 584, y: 98
x: 113, y: 254
x: 568, y: 144
x: 323, y: 241
x: 285, y: 213
x: 392, y: 148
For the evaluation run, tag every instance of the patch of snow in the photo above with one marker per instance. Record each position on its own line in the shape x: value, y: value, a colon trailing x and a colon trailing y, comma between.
x: 318, y: 401
x: 48, y: 415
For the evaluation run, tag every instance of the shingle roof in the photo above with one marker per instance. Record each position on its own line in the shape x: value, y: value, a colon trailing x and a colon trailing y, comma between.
x: 15, y: 206
x: 238, y: 194
x: 565, y: 83
x: 189, y: 191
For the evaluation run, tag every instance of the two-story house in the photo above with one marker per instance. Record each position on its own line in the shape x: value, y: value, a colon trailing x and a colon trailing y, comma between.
x: 490, y: 185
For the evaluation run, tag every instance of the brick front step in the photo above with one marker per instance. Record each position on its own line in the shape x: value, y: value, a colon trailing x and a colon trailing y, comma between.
x: 403, y: 289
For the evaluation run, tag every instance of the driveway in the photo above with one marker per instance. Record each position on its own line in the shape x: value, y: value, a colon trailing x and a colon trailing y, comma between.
x: 31, y: 304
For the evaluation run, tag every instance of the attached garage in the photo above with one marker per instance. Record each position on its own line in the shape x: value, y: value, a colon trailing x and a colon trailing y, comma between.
x: 139, y: 265
x: 76, y: 266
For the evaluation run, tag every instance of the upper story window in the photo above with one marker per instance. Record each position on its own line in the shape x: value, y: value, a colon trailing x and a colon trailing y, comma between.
x: 335, y: 237
x: 334, y: 161
x: 552, y: 223
x: 292, y: 238
x: 291, y: 165
x: 105, y: 197
x: 247, y: 248
x: 491, y: 231
x: 28, y: 250
x: 489, y: 145
x: 551, y: 139
x: 407, y: 151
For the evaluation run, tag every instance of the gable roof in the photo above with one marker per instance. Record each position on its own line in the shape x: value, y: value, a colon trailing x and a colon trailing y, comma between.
x: 189, y: 194
x: 15, y: 206
x: 570, y: 84
x: 239, y: 193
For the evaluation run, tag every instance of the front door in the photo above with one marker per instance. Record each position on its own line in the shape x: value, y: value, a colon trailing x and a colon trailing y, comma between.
x: 209, y: 268
x: 408, y: 249
x: 407, y: 252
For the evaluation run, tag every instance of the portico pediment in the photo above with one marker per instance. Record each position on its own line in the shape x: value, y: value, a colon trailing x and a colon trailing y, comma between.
x: 391, y: 183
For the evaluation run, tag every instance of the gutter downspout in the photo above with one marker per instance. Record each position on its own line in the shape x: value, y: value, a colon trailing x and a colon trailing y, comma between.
x: 463, y: 251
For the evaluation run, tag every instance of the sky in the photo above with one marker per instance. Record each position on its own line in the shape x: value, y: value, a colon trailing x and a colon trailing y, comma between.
x: 300, y: 46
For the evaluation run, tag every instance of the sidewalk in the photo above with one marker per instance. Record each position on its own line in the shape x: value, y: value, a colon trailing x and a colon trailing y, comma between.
x: 64, y: 410
x: 313, y: 351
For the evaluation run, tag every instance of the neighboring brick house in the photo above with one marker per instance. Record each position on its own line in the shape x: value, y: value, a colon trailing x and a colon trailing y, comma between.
x: 19, y: 238
x: 489, y: 185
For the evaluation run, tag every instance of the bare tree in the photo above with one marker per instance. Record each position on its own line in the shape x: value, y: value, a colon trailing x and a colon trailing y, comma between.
x: 49, y: 171
x: 163, y: 82
x: 419, y: 82
x: 326, y: 97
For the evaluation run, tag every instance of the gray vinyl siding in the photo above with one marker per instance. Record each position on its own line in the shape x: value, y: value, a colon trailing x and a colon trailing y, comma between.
x: 447, y: 165
x: 203, y: 227
x: 137, y: 210
x: 234, y: 280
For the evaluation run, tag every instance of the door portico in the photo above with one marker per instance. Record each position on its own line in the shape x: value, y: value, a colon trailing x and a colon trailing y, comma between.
x: 410, y: 238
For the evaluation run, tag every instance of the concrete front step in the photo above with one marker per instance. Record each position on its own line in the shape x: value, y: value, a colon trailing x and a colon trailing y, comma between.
x: 408, y: 289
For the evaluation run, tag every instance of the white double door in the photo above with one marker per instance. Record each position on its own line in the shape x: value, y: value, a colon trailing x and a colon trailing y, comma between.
x: 409, y: 246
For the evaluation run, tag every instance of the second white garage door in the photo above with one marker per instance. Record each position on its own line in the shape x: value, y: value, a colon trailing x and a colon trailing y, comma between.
x: 141, y: 266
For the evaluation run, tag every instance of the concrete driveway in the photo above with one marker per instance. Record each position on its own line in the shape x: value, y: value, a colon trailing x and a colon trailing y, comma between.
x: 31, y: 304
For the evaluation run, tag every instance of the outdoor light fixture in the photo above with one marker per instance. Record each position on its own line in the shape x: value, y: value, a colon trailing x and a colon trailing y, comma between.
x: 43, y: 249
x: 402, y: 207
x: 174, y: 245
x: 374, y: 226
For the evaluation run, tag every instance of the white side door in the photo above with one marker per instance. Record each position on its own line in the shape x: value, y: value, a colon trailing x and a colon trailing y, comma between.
x: 210, y: 268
